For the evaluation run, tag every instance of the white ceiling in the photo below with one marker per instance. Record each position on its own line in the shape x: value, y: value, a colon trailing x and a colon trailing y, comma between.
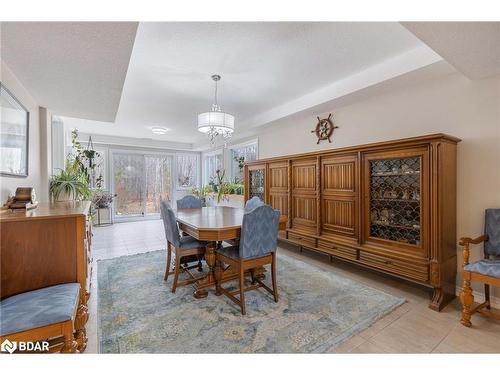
x: 472, y: 47
x: 72, y: 68
x: 267, y: 69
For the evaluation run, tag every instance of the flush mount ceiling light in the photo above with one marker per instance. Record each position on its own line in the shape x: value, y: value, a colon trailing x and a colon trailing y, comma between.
x: 215, y: 123
x: 159, y: 130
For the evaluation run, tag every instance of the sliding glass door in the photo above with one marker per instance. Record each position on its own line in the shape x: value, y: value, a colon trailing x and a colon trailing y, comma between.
x: 141, y: 182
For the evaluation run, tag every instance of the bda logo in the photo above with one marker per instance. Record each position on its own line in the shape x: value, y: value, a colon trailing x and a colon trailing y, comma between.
x: 8, y: 346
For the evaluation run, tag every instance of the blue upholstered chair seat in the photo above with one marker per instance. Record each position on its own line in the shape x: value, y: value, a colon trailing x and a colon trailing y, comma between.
x: 38, y: 308
x: 188, y: 242
x: 487, y: 267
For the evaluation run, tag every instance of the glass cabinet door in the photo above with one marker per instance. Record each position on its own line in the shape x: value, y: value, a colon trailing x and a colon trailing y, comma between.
x: 256, y: 183
x: 396, y: 197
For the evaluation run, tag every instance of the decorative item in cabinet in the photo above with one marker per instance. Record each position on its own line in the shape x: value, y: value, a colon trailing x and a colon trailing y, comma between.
x: 256, y: 188
x: 395, y: 186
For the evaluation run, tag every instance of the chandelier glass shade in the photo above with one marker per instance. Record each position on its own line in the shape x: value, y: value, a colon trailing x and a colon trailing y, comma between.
x: 215, y: 123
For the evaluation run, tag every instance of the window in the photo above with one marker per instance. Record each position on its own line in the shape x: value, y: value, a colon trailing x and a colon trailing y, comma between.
x: 240, y: 155
x: 210, y: 165
x: 187, y: 171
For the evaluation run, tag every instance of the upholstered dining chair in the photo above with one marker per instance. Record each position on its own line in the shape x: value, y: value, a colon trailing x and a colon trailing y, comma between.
x: 183, y: 247
x: 257, y: 247
x: 486, y: 270
x: 189, y: 201
x: 249, y: 206
x: 253, y: 203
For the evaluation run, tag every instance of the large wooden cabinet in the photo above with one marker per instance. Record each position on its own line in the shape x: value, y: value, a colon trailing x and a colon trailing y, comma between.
x: 388, y: 206
x: 46, y: 246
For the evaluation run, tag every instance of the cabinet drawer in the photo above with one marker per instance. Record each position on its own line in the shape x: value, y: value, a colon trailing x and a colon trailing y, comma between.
x: 411, y: 268
x: 302, y: 239
x: 333, y: 249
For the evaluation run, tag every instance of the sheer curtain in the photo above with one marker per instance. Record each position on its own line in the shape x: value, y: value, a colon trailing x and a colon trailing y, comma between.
x: 187, y: 171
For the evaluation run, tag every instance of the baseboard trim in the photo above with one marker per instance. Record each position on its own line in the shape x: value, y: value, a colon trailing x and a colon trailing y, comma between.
x: 479, y: 297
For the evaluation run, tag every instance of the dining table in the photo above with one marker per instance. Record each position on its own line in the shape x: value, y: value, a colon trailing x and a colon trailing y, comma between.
x: 214, y: 225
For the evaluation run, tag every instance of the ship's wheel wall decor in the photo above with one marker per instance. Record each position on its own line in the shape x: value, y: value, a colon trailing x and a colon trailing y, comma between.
x: 324, y: 129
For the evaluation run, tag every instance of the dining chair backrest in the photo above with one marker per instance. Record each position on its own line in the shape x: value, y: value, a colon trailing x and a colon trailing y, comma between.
x: 170, y: 224
x: 253, y: 203
x: 189, y: 201
x: 259, y: 232
x: 492, y: 229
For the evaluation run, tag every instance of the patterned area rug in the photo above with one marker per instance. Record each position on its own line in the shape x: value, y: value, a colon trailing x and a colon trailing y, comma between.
x: 316, y: 312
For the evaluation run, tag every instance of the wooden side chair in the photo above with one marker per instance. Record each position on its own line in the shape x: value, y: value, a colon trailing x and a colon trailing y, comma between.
x: 183, y: 247
x: 257, y: 247
x: 486, y: 270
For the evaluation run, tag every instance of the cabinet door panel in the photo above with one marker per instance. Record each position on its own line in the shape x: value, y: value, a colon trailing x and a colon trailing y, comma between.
x: 304, y: 212
x: 278, y: 177
x: 304, y: 194
x: 396, y: 199
x: 339, y: 215
x: 339, y: 196
x: 256, y: 182
x: 279, y: 202
x: 304, y: 177
x: 339, y: 176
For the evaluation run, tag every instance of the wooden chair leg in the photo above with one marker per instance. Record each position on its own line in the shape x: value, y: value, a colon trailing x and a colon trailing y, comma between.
x: 176, y: 274
x: 487, y: 295
x: 82, y: 316
x: 273, y: 277
x: 467, y: 299
x: 169, y: 259
x: 242, y: 290
x: 70, y: 345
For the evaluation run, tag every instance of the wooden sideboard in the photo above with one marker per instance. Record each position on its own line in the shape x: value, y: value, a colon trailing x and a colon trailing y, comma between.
x: 46, y: 246
x: 388, y: 206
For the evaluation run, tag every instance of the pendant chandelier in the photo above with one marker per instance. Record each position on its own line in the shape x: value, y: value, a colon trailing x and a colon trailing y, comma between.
x: 215, y: 123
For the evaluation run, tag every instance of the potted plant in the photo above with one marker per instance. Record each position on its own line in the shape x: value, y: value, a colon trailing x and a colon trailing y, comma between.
x: 102, y: 199
x: 69, y: 185
x: 228, y: 193
x: 202, y: 193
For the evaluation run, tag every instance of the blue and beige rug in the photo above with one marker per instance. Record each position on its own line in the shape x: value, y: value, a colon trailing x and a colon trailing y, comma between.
x: 316, y: 312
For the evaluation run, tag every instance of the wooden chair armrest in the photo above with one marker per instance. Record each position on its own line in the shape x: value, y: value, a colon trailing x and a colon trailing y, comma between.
x: 467, y: 240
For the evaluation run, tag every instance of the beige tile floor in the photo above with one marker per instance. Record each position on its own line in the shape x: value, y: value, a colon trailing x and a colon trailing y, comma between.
x: 412, y: 328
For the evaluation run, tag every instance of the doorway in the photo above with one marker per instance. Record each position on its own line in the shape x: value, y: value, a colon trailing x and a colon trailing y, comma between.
x: 141, y: 181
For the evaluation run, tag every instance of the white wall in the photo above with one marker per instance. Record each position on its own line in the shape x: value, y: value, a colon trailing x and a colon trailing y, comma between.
x: 453, y: 104
x: 34, y: 179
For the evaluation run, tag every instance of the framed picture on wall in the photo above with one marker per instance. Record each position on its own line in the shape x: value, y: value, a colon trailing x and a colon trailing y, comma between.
x: 14, y: 135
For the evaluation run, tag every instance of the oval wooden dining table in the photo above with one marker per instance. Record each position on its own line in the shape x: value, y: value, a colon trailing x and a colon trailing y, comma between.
x: 213, y: 225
